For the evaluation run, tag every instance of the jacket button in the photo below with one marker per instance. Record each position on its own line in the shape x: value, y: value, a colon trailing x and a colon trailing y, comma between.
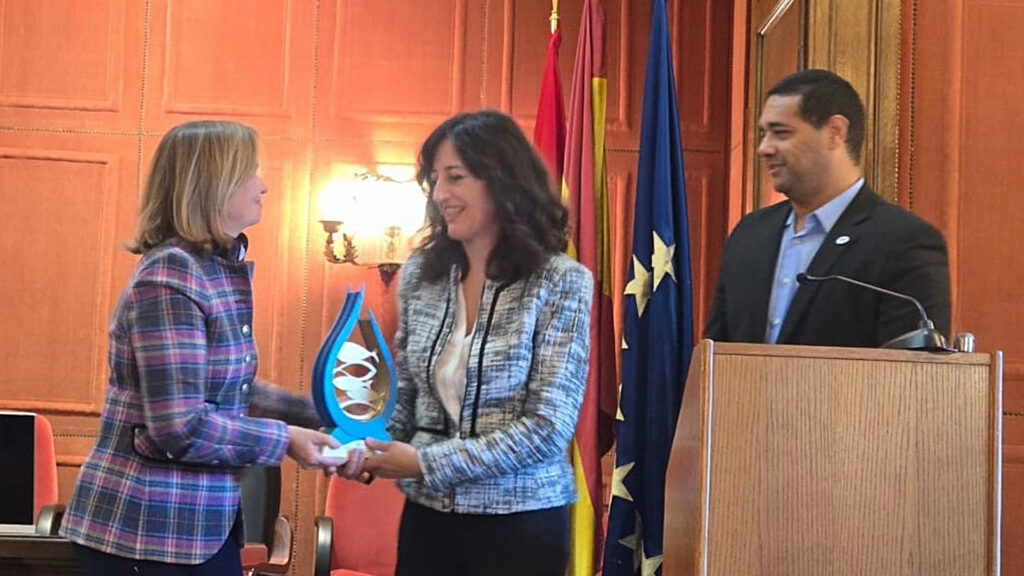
x: 245, y: 388
x: 246, y: 330
x: 247, y: 358
x: 170, y: 456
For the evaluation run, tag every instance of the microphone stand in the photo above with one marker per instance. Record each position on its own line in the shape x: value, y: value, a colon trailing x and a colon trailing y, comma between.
x: 925, y: 337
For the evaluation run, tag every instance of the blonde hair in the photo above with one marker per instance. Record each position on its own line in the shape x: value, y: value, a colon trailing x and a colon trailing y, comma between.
x: 197, y: 166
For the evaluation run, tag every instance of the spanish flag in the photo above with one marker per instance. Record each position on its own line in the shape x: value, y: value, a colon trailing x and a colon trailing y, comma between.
x: 584, y: 190
x: 549, y: 132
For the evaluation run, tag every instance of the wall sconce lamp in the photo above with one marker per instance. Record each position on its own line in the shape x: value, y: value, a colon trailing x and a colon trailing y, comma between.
x: 350, y: 253
x: 385, y: 213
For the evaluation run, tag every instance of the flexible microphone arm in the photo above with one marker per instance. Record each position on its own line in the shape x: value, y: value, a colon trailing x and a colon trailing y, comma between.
x: 926, y: 337
x: 803, y: 278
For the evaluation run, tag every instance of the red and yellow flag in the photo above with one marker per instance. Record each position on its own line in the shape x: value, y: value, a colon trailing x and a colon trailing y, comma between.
x: 549, y: 132
x: 584, y: 190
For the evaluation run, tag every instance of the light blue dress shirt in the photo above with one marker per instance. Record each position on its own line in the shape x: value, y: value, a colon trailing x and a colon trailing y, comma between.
x: 796, y: 250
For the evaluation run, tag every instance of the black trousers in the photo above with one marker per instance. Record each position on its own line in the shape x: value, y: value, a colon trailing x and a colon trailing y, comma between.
x: 227, y: 561
x: 444, y: 544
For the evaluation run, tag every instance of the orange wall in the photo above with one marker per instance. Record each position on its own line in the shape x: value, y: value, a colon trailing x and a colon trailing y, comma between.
x: 88, y: 87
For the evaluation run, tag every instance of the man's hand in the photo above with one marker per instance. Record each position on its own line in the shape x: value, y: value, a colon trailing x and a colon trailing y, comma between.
x: 305, y: 445
x: 392, y: 460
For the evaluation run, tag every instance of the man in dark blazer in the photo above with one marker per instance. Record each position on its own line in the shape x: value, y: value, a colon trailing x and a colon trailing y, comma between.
x: 832, y: 223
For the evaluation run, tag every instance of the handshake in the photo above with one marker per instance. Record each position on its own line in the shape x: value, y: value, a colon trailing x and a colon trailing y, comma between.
x: 359, y: 460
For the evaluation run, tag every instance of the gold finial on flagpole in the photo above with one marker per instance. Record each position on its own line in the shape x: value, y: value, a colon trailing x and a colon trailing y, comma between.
x: 554, y: 16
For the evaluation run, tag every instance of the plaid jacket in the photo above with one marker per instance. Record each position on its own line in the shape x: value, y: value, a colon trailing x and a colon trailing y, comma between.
x: 525, y: 378
x: 162, y: 482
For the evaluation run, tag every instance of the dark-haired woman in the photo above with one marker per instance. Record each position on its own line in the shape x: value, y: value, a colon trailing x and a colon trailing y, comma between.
x: 492, y: 355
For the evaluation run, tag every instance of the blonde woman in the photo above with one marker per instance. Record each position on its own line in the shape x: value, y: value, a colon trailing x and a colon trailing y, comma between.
x: 184, y: 411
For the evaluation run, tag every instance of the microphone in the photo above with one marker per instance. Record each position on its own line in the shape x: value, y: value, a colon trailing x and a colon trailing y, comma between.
x: 925, y: 337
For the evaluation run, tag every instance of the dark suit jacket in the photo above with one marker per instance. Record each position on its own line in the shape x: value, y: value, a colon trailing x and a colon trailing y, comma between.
x: 887, y: 246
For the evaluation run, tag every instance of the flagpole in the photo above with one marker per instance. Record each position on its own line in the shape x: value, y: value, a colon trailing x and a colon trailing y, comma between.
x: 554, y: 16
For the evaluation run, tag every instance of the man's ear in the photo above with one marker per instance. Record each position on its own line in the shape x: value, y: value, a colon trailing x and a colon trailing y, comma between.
x: 837, y: 127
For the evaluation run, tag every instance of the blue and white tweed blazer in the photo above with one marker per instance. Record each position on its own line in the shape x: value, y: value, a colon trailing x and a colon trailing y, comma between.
x: 525, y: 378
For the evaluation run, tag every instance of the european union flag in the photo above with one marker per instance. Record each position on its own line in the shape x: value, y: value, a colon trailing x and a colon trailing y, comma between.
x: 658, y: 335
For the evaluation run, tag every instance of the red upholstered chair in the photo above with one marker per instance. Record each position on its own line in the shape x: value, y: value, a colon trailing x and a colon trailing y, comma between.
x: 45, y: 509
x: 358, y: 536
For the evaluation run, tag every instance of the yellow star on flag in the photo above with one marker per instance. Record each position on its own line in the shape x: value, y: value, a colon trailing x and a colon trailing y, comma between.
x: 630, y: 542
x: 661, y: 261
x: 618, y: 477
x: 635, y: 542
x: 639, y: 286
x: 648, y: 566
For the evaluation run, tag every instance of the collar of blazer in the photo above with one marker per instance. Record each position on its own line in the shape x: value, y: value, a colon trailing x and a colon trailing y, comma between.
x: 859, y: 210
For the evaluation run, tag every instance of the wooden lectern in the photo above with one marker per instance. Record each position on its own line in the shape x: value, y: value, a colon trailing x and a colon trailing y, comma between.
x: 799, y: 460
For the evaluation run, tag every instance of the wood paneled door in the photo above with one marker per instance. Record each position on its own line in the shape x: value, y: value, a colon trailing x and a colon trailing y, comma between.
x: 860, y: 41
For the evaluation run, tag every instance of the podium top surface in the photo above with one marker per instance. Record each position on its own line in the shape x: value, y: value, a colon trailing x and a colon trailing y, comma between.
x: 841, y: 353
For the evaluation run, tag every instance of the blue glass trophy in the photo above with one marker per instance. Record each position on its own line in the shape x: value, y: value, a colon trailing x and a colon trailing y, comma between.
x: 354, y: 387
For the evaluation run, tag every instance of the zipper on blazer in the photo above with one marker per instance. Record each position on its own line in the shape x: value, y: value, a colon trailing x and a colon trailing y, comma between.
x: 480, y: 358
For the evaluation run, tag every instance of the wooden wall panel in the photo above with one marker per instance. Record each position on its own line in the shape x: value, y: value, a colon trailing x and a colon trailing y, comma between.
x: 396, y: 82
x: 1012, y: 557
x: 626, y: 33
x: 777, y: 49
x: 621, y: 168
x: 80, y: 78
x: 66, y: 189
x: 989, y: 210
x: 702, y: 49
x: 44, y: 84
x: 61, y: 205
x: 990, y: 256
x: 860, y: 41
x: 960, y: 89
x: 705, y: 179
x: 245, y: 60
x: 331, y: 85
x: 362, y: 66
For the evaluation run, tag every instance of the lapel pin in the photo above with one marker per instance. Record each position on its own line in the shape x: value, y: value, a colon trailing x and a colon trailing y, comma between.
x: 842, y: 240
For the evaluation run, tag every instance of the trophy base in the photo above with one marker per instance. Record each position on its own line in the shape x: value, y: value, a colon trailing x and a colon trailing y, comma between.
x: 342, y: 452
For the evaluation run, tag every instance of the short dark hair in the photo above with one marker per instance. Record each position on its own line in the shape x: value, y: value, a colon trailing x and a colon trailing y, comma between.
x: 533, y: 222
x: 823, y: 95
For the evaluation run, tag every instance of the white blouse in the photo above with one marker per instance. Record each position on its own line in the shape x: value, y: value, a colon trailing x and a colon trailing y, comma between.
x: 450, y: 370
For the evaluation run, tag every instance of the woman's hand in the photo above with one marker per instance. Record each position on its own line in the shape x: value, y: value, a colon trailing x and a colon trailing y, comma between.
x: 354, y: 469
x: 305, y: 447
x: 392, y: 460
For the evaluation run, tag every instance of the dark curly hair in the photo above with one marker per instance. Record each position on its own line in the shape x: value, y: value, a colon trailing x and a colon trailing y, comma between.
x: 533, y: 222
